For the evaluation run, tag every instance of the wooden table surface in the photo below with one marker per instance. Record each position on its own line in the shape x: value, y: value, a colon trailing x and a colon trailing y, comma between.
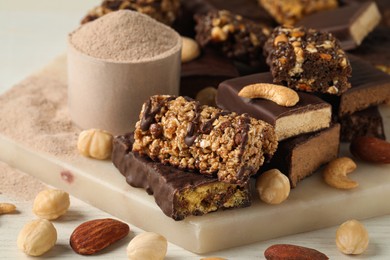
x: 34, y: 32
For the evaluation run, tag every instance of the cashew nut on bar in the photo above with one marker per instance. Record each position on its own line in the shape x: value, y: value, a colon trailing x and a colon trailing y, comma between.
x: 335, y: 173
x: 281, y: 95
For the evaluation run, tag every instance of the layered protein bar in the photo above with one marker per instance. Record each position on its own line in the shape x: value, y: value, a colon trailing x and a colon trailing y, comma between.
x: 178, y: 193
x: 180, y: 132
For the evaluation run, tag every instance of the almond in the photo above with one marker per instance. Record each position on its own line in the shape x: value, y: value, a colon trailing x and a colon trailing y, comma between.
x: 95, y: 235
x: 292, y: 252
x: 370, y: 149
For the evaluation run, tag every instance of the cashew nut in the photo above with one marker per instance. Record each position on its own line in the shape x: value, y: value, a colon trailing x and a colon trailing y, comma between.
x: 281, y: 95
x: 7, y: 208
x: 335, y: 173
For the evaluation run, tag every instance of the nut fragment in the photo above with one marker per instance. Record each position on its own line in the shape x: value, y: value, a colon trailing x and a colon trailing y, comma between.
x: 95, y: 235
x: 371, y: 149
x: 7, y: 208
x: 147, y: 245
x: 95, y: 143
x: 335, y: 173
x: 218, y: 35
x: 286, y: 251
x: 190, y: 49
x: 51, y: 204
x: 273, y: 186
x: 352, y: 237
x: 325, y: 56
x: 37, y: 237
x: 281, y: 95
x: 280, y: 38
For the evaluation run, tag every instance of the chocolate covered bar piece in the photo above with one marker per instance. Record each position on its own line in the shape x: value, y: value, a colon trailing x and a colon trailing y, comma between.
x: 308, y: 115
x: 367, y: 122
x: 370, y: 87
x: 246, y: 8
x: 299, y: 157
x: 178, y: 193
x: 375, y: 48
x: 235, y: 36
x: 288, y: 12
x: 164, y: 11
x: 350, y: 24
x: 180, y: 132
x: 209, y: 69
x: 307, y: 60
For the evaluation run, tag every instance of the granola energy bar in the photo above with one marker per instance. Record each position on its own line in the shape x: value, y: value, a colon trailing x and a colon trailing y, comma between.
x: 180, y: 132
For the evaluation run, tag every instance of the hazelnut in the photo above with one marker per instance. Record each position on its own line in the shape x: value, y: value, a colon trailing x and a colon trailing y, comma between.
x: 147, y: 245
x: 95, y: 143
x: 37, y: 237
x: 190, y: 49
x: 352, y: 237
x: 206, y: 96
x: 51, y: 204
x: 273, y: 186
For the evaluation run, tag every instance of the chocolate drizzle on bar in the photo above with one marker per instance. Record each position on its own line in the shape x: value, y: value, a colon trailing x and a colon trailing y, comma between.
x: 191, y: 135
x: 148, y: 116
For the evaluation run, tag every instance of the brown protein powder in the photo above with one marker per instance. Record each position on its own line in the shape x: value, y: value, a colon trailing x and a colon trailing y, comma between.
x: 125, y: 36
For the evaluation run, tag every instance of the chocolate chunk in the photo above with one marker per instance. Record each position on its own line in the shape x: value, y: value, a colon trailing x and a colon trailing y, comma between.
x: 308, y: 115
x: 350, y: 24
x: 209, y: 69
x: 367, y: 122
x: 177, y: 192
x: 370, y: 87
x: 299, y: 157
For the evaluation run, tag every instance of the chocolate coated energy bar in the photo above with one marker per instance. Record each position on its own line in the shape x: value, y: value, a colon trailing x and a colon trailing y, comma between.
x: 178, y: 193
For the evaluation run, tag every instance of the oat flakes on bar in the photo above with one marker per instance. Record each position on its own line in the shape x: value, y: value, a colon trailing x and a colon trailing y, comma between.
x: 180, y: 132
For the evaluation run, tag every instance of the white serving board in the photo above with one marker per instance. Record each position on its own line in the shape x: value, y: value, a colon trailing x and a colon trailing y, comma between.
x: 312, y: 205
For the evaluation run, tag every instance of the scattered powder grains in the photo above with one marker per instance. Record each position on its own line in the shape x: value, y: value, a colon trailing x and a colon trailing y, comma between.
x: 124, y: 36
x: 16, y: 184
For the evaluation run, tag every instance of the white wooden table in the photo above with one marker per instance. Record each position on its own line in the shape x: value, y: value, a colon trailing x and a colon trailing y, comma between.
x: 34, y: 32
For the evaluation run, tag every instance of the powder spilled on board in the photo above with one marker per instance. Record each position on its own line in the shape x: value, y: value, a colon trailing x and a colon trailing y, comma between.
x: 34, y: 113
x: 19, y: 185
